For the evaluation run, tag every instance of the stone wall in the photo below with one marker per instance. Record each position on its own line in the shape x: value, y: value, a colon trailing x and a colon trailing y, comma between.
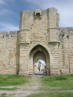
x: 8, y: 52
x: 38, y: 29
x: 66, y: 48
x: 44, y: 30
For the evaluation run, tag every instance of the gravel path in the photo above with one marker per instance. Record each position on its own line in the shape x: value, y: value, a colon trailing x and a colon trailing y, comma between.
x: 33, y: 87
x: 23, y: 91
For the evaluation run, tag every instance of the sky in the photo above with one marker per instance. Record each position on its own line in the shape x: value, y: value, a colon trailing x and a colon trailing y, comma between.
x: 10, y: 11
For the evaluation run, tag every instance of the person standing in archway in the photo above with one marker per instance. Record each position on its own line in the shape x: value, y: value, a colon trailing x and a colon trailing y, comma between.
x: 39, y: 66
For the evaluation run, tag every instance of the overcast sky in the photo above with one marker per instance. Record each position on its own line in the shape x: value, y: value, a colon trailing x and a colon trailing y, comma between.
x: 10, y: 11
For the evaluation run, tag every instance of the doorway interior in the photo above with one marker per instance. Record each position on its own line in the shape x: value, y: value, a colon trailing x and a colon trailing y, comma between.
x: 40, y: 60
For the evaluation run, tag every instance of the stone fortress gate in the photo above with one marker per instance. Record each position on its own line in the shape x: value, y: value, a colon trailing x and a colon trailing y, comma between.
x: 39, y: 47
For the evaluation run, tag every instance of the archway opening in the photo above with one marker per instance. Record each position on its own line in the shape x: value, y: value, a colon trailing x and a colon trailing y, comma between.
x: 40, y: 60
x: 39, y: 63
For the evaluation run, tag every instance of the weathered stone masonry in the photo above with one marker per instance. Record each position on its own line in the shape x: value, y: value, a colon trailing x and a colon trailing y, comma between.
x: 41, y: 36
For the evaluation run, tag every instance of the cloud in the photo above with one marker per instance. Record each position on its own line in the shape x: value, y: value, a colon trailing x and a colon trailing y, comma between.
x: 8, y: 27
x: 65, y: 9
x: 5, y: 2
x: 5, y: 12
x: 66, y: 17
x: 2, y: 2
x: 42, y: 3
x: 8, y: 13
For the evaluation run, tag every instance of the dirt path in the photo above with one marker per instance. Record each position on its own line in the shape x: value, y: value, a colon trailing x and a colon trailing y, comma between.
x: 23, y: 91
x: 34, y: 86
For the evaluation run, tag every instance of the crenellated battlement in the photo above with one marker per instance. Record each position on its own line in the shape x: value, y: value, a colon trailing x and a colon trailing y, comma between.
x: 8, y: 34
x: 39, y: 37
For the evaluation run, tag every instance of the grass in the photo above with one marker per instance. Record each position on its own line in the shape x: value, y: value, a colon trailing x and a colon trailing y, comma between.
x: 9, y: 89
x: 53, y: 95
x: 64, y: 82
x: 56, y: 86
x: 3, y: 95
x: 10, y: 80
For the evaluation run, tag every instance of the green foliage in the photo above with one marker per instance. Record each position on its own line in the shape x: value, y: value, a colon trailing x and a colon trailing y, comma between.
x: 7, y: 80
x: 52, y: 95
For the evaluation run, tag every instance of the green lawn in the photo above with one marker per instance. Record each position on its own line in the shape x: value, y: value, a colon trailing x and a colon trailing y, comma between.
x: 64, y: 82
x: 9, y: 89
x: 3, y: 95
x: 12, y: 80
x: 53, y: 95
x: 8, y: 80
x: 56, y: 86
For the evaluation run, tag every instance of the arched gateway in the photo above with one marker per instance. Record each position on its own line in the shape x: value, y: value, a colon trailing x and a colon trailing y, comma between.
x: 40, y: 60
x: 39, y: 47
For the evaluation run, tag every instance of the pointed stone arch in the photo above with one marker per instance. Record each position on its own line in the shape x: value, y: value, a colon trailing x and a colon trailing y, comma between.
x: 40, y: 52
